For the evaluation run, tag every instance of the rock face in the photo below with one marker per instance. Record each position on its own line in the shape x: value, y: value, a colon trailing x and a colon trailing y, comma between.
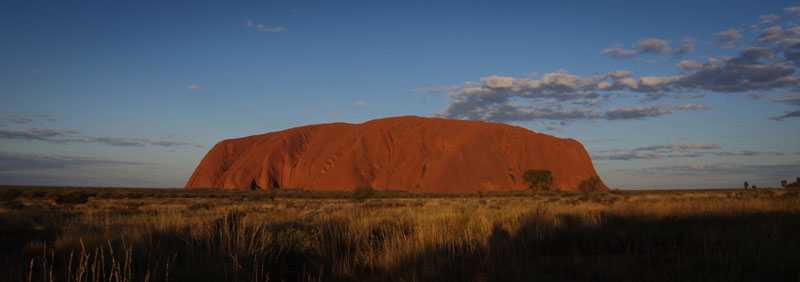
x: 402, y: 153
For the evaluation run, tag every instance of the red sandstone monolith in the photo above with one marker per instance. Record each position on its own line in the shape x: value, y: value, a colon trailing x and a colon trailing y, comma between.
x: 401, y: 153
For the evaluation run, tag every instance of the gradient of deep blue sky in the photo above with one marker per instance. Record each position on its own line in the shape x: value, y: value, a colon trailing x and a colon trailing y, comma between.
x: 134, y: 93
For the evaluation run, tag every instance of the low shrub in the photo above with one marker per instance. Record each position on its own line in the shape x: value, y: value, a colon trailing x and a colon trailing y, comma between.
x: 72, y: 198
x: 9, y: 195
x: 199, y: 206
x: 363, y: 193
x: 13, y: 204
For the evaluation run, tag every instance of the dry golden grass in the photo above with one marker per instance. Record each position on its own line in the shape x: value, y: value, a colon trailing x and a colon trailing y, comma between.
x: 630, y: 236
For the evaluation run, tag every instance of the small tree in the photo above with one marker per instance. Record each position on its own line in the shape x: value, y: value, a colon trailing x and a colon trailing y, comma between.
x: 591, y: 184
x: 271, y: 193
x: 794, y: 185
x: 783, y: 183
x: 363, y: 193
x: 746, y: 185
x: 538, y: 179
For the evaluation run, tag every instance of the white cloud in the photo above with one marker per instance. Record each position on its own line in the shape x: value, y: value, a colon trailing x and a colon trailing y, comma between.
x: 689, y: 65
x: 562, y: 96
x: 264, y: 28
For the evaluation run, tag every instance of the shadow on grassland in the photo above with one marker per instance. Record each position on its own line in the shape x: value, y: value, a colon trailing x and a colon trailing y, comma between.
x: 743, y: 247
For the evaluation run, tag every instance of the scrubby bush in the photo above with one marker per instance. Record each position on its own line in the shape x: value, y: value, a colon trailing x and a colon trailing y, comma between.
x: 591, y: 184
x: 13, y: 204
x: 9, y: 195
x: 538, y: 179
x: 363, y: 193
x: 74, y: 197
x: 199, y: 206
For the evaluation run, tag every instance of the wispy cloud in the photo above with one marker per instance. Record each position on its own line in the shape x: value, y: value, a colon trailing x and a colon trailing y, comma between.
x: 437, y: 90
x: 553, y: 128
x: 35, y: 134
x: 676, y: 151
x: 644, y: 46
x: 657, y: 152
x: 747, y: 153
x: 679, y: 147
x: 360, y: 104
x: 651, y: 46
x: 37, y: 71
x: 687, y: 46
x: 768, y: 19
x: 773, y: 18
x: 23, y: 119
x: 263, y: 28
x: 71, y: 136
x: 772, y: 170
x: 619, y: 53
x: 685, y: 107
x: 638, y: 112
x: 19, y: 120
x: 793, y: 100
x: 729, y: 38
x: 195, y: 87
x: 787, y: 114
x: 10, y: 161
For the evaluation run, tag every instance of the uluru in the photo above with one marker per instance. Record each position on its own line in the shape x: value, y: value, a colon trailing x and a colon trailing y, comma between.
x: 425, y: 155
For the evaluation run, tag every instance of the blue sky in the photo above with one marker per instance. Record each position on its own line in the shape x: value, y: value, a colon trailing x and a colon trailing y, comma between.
x: 679, y: 94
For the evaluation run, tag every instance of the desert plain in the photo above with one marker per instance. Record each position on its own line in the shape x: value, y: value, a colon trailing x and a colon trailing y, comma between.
x: 115, y: 234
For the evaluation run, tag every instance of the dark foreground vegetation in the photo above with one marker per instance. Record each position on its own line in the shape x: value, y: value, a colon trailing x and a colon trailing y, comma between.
x: 95, y: 234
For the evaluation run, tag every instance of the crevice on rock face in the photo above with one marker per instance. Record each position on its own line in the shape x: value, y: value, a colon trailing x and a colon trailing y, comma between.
x: 273, y: 183
x: 254, y: 185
